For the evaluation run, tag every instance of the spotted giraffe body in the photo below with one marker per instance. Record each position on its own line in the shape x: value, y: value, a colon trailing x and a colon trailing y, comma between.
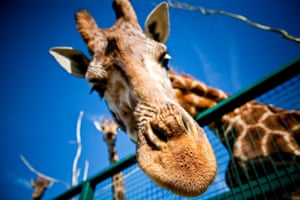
x: 255, y: 134
x: 109, y: 128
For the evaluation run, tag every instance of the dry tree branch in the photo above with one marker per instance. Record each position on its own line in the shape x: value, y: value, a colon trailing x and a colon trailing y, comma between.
x: 75, y: 171
x: 86, y: 169
x: 206, y: 11
x: 49, y: 178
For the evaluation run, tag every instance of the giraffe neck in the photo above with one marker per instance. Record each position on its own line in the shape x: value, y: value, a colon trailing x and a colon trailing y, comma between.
x: 117, y: 179
x: 193, y: 95
x: 112, y: 150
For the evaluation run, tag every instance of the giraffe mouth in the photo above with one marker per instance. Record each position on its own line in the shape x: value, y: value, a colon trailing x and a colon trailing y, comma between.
x: 176, y: 154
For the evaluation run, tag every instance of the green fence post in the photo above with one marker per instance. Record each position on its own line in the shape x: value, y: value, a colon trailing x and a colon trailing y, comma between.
x: 87, y: 192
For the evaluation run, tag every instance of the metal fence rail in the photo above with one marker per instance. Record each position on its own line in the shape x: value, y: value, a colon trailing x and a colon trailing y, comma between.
x: 286, y: 77
x: 86, y: 189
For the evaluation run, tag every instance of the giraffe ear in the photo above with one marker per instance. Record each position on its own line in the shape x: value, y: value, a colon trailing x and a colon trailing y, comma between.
x: 98, y: 125
x: 72, y: 60
x: 157, y: 25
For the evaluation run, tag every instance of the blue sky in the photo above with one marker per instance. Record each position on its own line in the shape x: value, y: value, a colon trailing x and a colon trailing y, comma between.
x: 40, y: 103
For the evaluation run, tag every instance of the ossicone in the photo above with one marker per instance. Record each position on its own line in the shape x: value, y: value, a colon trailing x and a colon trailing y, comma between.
x: 86, y: 25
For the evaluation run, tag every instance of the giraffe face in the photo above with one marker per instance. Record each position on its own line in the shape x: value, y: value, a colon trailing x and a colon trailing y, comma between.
x: 109, y: 129
x: 123, y: 72
x: 128, y: 69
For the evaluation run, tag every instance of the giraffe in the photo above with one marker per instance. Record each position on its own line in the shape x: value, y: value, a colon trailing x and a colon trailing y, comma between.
x: 254, y: 133
x: 109, y: 128
x: 125, y: 64
x: 39, y: 187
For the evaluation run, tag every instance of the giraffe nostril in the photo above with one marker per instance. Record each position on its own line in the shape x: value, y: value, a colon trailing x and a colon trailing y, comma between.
x: 186, y: 123
x: 93, y: 80
x: 161, y: 136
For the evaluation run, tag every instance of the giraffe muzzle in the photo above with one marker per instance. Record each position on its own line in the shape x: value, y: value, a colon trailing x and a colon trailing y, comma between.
x: 175, y: 153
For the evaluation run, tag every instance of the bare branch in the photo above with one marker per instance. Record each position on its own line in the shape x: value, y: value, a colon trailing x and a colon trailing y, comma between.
x: 206, y: 11
x: 33, y: 170
x: 86, y: 169
x: 78, y: 152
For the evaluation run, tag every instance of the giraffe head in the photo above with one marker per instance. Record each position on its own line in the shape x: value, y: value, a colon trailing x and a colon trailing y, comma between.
x: 39, y: 187
x: 128, y: 68
x: 109, y: 128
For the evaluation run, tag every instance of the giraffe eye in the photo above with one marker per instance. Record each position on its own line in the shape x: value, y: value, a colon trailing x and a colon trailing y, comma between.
x: 164, y: 60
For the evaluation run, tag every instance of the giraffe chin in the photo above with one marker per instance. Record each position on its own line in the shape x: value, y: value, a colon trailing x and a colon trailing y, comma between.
x: 183, y: 165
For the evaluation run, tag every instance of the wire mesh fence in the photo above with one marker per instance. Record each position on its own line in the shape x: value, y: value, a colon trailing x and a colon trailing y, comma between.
x: 139, y: 186
x: 275, y: 176
x: 251, y: 165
